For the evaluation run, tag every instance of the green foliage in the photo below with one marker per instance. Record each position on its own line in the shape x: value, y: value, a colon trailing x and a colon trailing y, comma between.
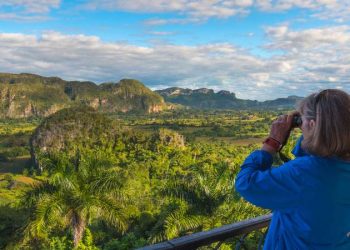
x: 129, y: 180
x: 206, y: 99
x: 79, y: 190
x: 28, y: 95
x: 87, y: 242
x: 170, y: 138
x: 12, y: 219
x: 70, y: 129
x: 8, y: 177
x: 129, y: 241
x: 60, y: 243
x: 25, y: 172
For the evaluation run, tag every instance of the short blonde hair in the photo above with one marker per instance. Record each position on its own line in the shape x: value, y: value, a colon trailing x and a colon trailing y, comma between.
x: 330, y: 109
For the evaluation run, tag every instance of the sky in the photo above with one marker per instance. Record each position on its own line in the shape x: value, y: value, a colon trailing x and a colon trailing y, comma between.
x: 258, y: 49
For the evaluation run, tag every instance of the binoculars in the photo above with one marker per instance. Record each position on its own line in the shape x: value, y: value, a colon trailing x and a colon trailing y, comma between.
x: 296, y: 121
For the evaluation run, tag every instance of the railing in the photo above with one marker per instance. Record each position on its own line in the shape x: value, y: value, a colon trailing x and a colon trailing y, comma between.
x: 219, y: 235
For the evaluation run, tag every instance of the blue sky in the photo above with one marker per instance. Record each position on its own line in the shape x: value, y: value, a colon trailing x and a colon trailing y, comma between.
x: 259, y: 49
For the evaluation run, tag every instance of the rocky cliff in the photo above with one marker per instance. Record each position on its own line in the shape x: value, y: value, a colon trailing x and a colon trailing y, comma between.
x: 204, y: 98
x: 27, y: 95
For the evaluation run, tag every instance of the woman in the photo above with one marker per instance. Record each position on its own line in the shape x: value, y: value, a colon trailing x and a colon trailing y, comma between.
x: 310, y: 195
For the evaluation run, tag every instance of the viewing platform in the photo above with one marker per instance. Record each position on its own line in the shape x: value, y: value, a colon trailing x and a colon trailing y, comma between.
x: 239, y: 230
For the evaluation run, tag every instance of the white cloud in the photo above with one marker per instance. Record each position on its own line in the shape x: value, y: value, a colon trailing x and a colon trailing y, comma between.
x: 282, y: 5
x: 311, y: 59
x: 159, y: 21
x: 22, y: 17
x: 31, y: 6
x: 314, y: 57
x: 199, y: 10
x: 27, y: 10
x: 193, y: 10
x: 188, y: 10
x: 332, y: 79
x: 88, y: 58
x: 307, y: 39
x: 160, y: 33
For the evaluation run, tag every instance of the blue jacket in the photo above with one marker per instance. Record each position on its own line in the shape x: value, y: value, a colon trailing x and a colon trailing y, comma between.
x: 309, y: 197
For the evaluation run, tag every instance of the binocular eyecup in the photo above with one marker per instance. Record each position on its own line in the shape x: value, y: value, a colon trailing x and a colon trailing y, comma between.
x: 297, y: 121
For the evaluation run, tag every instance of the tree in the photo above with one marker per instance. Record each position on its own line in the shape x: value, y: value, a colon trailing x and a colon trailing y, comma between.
x: 196, y: 200
x: 79, y: 190
x: 206, y: 188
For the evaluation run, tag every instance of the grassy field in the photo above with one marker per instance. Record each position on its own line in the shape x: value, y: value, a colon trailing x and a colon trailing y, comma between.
x: 14, y: 166
x: 14, y: 158
x: 230, y: 140
x: 15, y: 127
x: 11, y: 187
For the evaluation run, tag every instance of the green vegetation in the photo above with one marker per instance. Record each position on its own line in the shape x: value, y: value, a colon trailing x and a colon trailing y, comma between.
x: 76, y: 193
x: 124, y: 181
x: 28, y: 95
x: 207, y: 99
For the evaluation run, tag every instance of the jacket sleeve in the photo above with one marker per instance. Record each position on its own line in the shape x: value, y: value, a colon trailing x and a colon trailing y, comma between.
x: 270, y: 187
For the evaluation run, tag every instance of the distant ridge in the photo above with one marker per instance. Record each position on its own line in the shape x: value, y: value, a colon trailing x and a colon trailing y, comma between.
x: 204, y: 98
x: 30, y: 95
x: 27, y: 95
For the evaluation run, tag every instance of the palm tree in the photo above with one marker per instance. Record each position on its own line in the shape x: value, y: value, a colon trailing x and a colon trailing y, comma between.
x: 78, y: 191
x: 206, y: 188
x: 194, y: 200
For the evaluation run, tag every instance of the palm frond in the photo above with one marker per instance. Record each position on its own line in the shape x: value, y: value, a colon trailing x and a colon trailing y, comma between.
x: 111, y: 212
x: 178, y: 223
x: 48, y: 211
x: 62, y: 181
x: 38, y: 189
x: 107, y: 182
x: 182, y: 189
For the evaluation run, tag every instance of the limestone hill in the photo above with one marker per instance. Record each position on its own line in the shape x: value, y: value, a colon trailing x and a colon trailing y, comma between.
x: 27, y: 95
x: 204, y: 98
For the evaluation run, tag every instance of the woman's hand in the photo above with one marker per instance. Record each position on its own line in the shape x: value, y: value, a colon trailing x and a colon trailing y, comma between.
x: 280, y: 131
x: 280, y: 128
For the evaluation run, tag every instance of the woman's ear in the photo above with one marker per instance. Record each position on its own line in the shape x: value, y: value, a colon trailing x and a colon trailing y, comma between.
x: 312, y: 124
